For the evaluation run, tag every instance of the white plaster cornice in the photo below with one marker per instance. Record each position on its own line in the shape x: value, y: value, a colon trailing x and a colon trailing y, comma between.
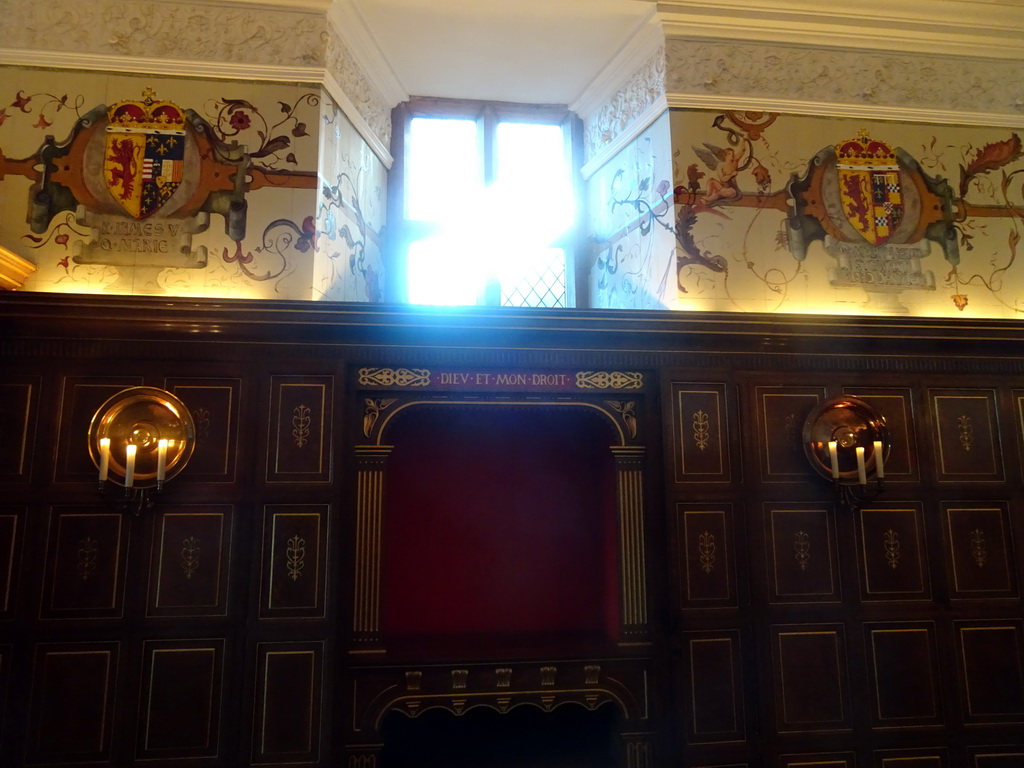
x: 841, y: 82
x: 351, y: 27
x: 839, y: 109
x: 645, y: 42
x: 969, y: 28
x: 163, y: 67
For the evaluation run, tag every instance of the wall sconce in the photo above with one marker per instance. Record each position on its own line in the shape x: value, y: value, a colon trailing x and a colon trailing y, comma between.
x: 139, y: 439
x: 847, y: 442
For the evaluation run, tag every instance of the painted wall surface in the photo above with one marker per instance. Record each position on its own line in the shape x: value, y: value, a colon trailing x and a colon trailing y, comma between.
x: 779, y: 213
x: 240, y: 214
x: 631, y: 225
x: 351, y: 211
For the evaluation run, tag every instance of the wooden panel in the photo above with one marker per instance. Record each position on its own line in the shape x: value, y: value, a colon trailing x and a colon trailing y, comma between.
x: 810, y: 677
x: 966, y: 433
x: 992, y: 670
x: 300, y: 424
x: 288, y: 703
x: 897, y: 408
x: 12, y: 524
x: 715, y: 680
x: 912, y: 758
x: 1018, y: 400
x: 82, y: 396
x: 781, y: 412
x: 181, y: 699
x: 700, y: 419
x: 903, y: 669
x: 19, y: 407
x: 85, y: 563
x: 841, y: 760
x: 893, y: 553
x: 1009, y: 757
x: 6, y: 664
x: 72, y: 702
x: 191, y: 552
x: 294, y: 560
x: 214, y: 405
x: 979, y: 550
x: 705, y: 546
x: 802, y: 554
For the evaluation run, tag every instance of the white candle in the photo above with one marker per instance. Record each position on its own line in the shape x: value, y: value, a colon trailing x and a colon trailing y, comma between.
x: 129, y: 470
x: 104, y: 458
x: 833, y: 455
x: 862, y: 474
x: 161, y: 460
x: 879, y: 465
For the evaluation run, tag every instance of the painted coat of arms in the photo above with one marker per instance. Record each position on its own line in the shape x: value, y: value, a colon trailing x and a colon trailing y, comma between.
x: 144, y: 154
x: 869, y: 187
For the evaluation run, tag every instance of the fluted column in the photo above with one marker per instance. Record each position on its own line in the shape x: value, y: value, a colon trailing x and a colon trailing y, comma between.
x: 629, y: 461
x: 371, y: 461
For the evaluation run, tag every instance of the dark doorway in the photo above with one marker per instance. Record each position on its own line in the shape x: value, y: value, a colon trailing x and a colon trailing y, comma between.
x: 569, y: 736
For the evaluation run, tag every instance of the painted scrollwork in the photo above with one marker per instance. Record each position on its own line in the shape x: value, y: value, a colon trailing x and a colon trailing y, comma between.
x: 394, y: 377
x: 609, y: 380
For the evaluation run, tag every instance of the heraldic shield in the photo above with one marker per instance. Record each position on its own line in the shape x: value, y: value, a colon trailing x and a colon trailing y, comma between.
x: 869, y: 187
x: 144, y: 155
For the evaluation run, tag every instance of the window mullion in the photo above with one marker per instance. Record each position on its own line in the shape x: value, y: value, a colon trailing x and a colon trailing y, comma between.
x: 488, y: 129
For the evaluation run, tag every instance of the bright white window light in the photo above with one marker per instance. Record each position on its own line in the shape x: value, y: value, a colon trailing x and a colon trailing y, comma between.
x: 505, y: 233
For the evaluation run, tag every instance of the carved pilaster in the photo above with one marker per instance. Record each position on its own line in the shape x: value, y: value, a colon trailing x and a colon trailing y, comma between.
x: 371, y: 461
x: 629, y: 461
x: 639, y: 750
x: 366, y: 756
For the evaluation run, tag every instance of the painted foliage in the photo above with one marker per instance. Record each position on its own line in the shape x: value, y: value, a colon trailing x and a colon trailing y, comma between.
x: 800, y: 214
x: 197, y: 188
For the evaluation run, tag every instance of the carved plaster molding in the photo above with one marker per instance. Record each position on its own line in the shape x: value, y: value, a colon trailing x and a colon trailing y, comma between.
x: 169, y: 30
x: 634, y: 106
x: 346, y: 72
x: 783, y: 78
x: 987, y: 29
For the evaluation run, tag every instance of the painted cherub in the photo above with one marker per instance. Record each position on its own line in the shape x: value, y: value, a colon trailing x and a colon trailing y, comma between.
x: 727, y: 163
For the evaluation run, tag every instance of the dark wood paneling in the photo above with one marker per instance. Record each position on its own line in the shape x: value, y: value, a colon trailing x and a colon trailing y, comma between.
x: 300, y: 429
x: 85, y: 563
x: 716, y: 711
x: 896, y: 405
x: 1011, y: 756
x: 911, y: 758
x: 903, y: 667
x: 19, y: 409
x: 991, y: 658
x: 979, y: 550
x: 966, y: 435
x: 12, y: 524
x: 289, y: 701
x: 705, y: 542
x: 71, y: 712
x: 781, y: 412
x: 700, y: 420
x: 191, y: 553
x: 893, y: 553
x: 803, y: 558
x: 294, y: 560
x: 214, y: 405
x: 81, y: 398
x: 180, y: 703
x: 810, y: 678
x: 843, y: 760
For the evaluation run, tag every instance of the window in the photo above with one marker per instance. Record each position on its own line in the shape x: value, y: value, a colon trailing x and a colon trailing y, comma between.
x: 482, y: 204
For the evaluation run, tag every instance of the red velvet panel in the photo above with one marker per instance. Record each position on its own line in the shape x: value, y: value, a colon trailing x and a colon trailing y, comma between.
x: 499, y: 528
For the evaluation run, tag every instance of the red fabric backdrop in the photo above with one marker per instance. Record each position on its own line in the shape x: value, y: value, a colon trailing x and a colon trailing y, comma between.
x: 499, y: 527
